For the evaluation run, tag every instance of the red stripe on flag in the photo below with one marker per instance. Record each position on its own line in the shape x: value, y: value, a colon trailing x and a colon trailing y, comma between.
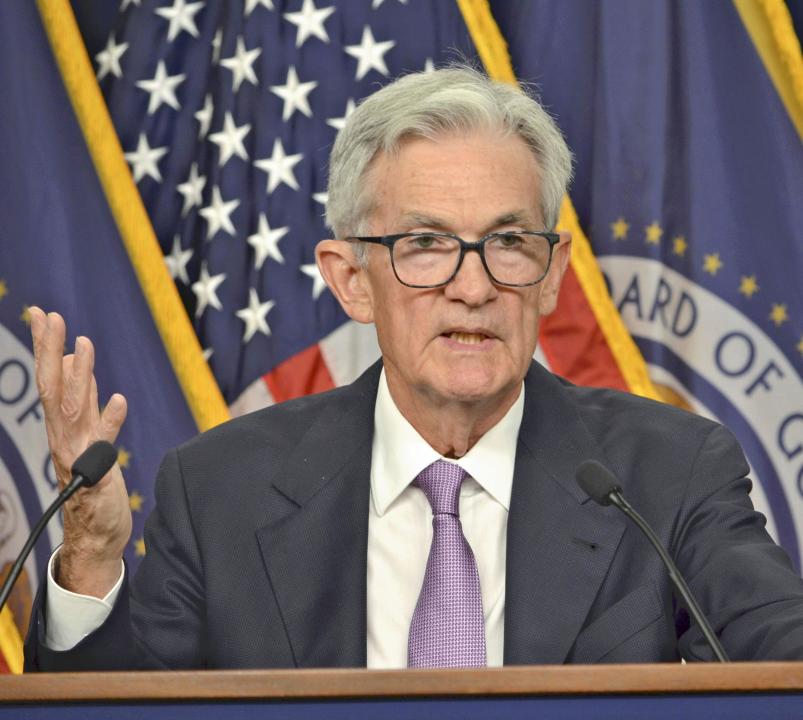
x: 4, y: 668
x: 574, y: 344
x: 303, y: 374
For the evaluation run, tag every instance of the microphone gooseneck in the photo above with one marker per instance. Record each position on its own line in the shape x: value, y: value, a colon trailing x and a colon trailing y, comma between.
x: 601, y: 485
x: 88, y: 469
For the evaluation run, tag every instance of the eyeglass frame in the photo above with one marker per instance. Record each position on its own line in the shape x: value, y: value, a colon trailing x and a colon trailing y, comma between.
x: 479, y: 247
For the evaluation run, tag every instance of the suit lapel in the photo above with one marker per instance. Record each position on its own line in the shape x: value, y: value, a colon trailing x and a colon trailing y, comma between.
x: 315, y: 553
x: 560, y: 544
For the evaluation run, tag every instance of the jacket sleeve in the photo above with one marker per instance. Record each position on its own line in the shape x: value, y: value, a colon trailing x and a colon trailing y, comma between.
x: 745, y: 583
x: 157, y: 620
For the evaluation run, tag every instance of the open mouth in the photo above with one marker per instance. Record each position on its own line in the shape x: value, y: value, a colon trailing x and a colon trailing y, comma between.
x: 467, y: 338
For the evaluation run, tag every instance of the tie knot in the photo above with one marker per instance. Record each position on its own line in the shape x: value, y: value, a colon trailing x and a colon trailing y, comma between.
x: 441, y: 484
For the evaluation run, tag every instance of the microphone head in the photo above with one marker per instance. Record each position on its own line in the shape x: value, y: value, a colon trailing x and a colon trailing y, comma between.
x: 94, y: 462
x: 597, y: 481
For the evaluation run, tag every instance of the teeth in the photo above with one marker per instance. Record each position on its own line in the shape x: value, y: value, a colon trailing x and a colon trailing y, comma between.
x: 466, y: 338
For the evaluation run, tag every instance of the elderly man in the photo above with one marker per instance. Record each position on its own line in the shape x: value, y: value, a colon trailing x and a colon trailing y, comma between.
x: 426, y: 515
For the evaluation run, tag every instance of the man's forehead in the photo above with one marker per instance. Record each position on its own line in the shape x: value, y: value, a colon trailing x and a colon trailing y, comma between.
x: 485, y: 178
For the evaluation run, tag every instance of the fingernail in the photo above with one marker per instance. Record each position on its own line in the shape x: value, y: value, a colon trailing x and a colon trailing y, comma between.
x: 80, y: 346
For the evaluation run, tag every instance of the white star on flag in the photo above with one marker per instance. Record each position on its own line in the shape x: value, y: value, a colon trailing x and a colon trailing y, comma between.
x: 205, y: 289
x: 162, y: 88
x: 250, y: 5
x: 218, y: 214
x: 266, y: 242
x: 204, y: 116
x: 318, y: 283
x: 294, y: 94
x: 181, y: 16
x: 370, y: 54
x: 191, y: 189
x: 126, y: 3
x: 143, y: 160
x: 340, y: 123
x: 240, y: 64
x: 109, y: 59
x: 321, y: 198
x: 376, y: 3
x: 254, y: 316
x: 177, y: 261
x: 310, y: 21
x: 280, y: 167
x: 230, y: 140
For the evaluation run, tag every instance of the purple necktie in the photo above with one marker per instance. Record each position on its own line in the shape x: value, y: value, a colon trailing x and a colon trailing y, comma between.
x: 448, y: 629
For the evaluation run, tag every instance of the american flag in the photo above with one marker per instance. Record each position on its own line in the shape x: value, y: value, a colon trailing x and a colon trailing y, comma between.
x: 227, y: 112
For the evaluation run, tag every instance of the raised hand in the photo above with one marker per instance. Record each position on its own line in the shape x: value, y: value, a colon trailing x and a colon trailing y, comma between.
x: 97, y: 520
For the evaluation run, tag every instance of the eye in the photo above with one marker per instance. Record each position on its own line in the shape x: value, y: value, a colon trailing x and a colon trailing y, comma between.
x: 426, y: 242
x: 508, y: 240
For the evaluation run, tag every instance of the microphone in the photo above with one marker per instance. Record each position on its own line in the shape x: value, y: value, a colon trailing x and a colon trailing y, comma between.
x: 600, y: 483
x: 87, y: 470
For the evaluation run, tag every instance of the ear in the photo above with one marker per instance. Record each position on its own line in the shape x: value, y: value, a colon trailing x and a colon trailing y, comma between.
x: 550, y: 287
x: 346, y: 278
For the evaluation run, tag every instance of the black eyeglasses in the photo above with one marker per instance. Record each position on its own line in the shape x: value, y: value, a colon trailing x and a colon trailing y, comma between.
x: 430, y: 260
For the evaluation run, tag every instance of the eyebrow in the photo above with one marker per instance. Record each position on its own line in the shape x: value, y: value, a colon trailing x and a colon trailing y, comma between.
x: 414, y: 219
x: 517, y: 217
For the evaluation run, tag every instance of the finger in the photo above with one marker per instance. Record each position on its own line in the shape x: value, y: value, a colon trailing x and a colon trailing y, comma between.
x: 77, y: 383
x: 94, y: 409
x: 38, y: 326
x: 112, y: 418
x: 49, y: 366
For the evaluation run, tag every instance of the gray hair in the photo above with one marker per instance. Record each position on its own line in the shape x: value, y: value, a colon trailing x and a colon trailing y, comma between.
x: 428, y: 104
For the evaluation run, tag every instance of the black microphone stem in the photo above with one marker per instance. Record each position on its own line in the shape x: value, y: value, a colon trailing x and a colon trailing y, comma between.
x: 618, y: 499
x: 63, y: 496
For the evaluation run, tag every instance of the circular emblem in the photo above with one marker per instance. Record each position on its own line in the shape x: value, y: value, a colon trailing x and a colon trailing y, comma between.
x: 27, y: 480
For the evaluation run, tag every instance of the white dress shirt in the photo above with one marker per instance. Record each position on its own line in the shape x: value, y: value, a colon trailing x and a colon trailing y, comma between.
x: 400, y: 526
x: 399, y: 537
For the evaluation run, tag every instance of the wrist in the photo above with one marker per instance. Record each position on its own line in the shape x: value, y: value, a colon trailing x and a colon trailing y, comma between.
x: 86, y: 574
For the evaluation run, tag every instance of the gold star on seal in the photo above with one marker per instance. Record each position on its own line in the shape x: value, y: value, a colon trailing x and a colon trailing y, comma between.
x: 135, y: 501
x: 653, y: 233
x: 712, y: 263
x: 748, y: 286
x: 778, y: 314
x: 800, y: 345
x: 139, y: 547
x: 123, y: 457
x: 679, y: 245
x: 620, y: 228
x: 26, y: 315
x: 3, y: 289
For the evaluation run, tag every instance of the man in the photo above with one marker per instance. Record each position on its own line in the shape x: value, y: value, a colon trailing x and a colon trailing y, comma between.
x: 426, y: 515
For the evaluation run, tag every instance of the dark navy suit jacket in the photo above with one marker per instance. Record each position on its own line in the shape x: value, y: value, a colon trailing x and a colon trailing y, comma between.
x: 257, y: 547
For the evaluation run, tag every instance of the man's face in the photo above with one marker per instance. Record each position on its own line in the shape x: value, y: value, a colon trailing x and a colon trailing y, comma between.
x: 470, y: 340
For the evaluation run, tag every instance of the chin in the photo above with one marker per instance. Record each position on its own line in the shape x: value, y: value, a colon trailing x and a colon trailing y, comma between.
x: 472, y: 387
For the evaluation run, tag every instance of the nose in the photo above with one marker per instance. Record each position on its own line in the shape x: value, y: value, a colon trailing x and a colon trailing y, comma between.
x: 472, y: 284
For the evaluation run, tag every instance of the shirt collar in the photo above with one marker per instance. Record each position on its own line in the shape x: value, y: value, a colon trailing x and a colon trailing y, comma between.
x: 400, y: 453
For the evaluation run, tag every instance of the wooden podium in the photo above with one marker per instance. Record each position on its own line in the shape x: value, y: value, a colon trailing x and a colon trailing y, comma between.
x: 738, y: 690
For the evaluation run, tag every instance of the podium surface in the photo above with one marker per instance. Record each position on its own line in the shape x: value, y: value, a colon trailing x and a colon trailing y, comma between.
x: 737, y: 690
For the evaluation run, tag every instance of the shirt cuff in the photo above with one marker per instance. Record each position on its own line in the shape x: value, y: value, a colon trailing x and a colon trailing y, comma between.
x: 70, y: 616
